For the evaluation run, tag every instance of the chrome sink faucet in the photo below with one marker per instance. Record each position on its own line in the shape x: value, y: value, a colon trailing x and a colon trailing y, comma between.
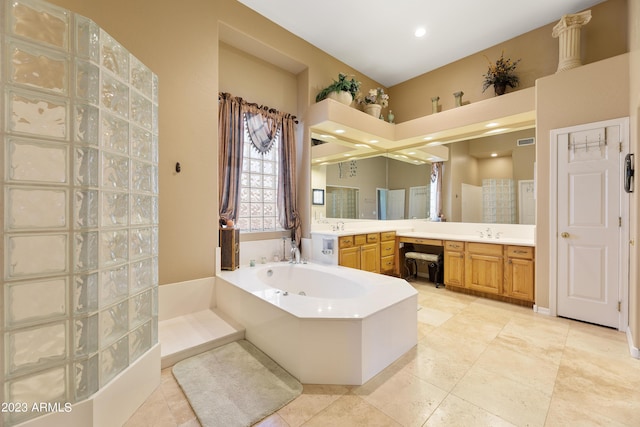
x: 488, y: 232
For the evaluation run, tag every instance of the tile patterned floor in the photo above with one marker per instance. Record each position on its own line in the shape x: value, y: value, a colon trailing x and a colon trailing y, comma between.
x: 477, y: 363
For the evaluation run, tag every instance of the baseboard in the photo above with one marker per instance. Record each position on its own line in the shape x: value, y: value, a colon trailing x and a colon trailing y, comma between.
x: 541, y: 310
x: 633, y: 350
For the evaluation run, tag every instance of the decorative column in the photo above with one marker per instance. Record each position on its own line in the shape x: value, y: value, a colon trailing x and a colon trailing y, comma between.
x: 567, y: 30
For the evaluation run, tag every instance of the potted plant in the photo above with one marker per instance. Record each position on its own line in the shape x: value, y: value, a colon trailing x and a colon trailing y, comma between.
x: 374, y: 101
x: 343, y: 84
x: 501, y: 74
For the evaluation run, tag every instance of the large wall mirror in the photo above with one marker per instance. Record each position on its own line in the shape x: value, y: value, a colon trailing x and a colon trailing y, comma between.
x: 487, y: 179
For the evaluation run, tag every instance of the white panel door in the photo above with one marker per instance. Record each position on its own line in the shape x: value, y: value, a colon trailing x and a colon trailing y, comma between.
x: 395, y: 204
x: 589, y: 233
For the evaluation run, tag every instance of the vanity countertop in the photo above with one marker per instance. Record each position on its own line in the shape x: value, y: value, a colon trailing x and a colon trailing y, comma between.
x: 508, y: 235
x: 466, y: 238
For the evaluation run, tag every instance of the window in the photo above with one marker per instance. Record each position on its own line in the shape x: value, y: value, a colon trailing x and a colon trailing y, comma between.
x: 259, y: 188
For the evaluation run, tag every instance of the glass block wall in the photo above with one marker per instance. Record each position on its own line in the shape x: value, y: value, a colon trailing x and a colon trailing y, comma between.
x: 498, y: 201
x: 80, y: 212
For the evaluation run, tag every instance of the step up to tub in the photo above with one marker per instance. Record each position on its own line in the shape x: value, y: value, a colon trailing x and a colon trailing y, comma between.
x: 184, y: 336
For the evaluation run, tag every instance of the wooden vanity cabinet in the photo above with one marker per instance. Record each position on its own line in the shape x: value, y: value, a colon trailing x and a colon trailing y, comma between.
x: 454, y: 263
x: 348, y: 252
x: 387, y: 252
x: 519, y: 272
x: 361, y: 251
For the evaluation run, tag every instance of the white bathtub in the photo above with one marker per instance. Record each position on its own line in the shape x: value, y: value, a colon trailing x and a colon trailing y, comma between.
x: 348, y: 327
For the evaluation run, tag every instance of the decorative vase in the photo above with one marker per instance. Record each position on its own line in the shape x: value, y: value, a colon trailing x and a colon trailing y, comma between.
x: 458, y: 96
x: 391, y: 117
x: 343, y: 97
x: 373, y: 110
x: 500, y: 88
x: 434, y: 104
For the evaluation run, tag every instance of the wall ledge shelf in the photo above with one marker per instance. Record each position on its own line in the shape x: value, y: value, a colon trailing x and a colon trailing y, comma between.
x: 361, y: 135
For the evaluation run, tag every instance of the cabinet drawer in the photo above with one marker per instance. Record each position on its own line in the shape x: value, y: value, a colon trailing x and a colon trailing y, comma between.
x: 525, y: 252
x: 387, y: 248
x: 484, y: 248
x: 387, y: 235
x: 345, y: 242
x: 387, y: 263
x: 373, y: 238
x: 453, y: 246
x: 360, y: 239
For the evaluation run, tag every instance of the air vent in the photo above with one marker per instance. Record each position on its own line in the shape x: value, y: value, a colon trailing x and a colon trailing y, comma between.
x: 526, y: 141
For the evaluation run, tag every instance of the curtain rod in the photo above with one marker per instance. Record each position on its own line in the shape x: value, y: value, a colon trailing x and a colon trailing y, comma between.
x: 253, y: 104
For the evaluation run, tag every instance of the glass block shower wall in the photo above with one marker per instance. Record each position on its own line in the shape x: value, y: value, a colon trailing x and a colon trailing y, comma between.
x: 498, y: 201
x: 80, y: 211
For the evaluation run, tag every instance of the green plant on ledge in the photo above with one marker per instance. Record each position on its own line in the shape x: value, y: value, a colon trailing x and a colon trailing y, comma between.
x: 342, y: 84
x: 501, y: 74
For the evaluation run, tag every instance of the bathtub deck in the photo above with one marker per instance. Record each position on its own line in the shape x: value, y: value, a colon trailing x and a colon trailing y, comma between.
x: 185, y: 336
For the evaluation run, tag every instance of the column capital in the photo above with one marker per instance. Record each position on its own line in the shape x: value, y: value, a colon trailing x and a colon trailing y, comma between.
x: 568, y: 21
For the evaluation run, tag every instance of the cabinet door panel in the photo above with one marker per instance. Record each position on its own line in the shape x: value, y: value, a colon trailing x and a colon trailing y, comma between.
x: 350, y: 257
x: 520, y: 283
x: 484, y: 273
x: 454, y: 268
x: 370, y: 258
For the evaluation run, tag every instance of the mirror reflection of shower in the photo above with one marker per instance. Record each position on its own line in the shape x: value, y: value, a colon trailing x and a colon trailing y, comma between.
x: 342, y: 202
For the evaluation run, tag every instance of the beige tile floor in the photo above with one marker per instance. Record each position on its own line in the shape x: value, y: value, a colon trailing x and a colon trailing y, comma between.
x: 477, y: 363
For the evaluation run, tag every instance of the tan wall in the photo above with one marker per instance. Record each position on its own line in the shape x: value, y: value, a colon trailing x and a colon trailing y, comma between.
x: 405, y: 175
x: 460, y: 168
x: 603, y: 37
x: 245, y: 76
x: 495, y: 168
x: 590, y: 93
x: 179, y: 42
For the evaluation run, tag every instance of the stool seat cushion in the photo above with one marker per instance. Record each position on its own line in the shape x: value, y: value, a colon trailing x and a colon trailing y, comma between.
x: 422, y: 256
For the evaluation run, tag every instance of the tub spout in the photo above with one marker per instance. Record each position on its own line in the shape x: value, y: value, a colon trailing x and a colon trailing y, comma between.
x: 295, y: 253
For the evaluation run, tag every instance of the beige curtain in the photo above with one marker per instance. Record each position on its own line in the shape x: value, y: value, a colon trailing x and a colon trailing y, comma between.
x: 230, y: 132
x: 262, y: 124
x: 287, y: 203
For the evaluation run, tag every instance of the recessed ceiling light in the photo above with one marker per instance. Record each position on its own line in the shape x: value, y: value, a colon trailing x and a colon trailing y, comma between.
x: 347, y: 155
x: 340, y: 131
x: 428, y: 138
x: 411, y: 152
x: 362, y: 145
x: 494, y: 154
x: 420, y: 32
x: 492, y: 125
x: 496, y: 130
x: 374, y: 141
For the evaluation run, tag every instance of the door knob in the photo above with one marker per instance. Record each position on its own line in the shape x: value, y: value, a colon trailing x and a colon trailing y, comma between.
x: 564, y: 234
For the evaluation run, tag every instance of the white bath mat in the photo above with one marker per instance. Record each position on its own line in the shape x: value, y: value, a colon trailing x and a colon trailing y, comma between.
x: 235, y: 385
